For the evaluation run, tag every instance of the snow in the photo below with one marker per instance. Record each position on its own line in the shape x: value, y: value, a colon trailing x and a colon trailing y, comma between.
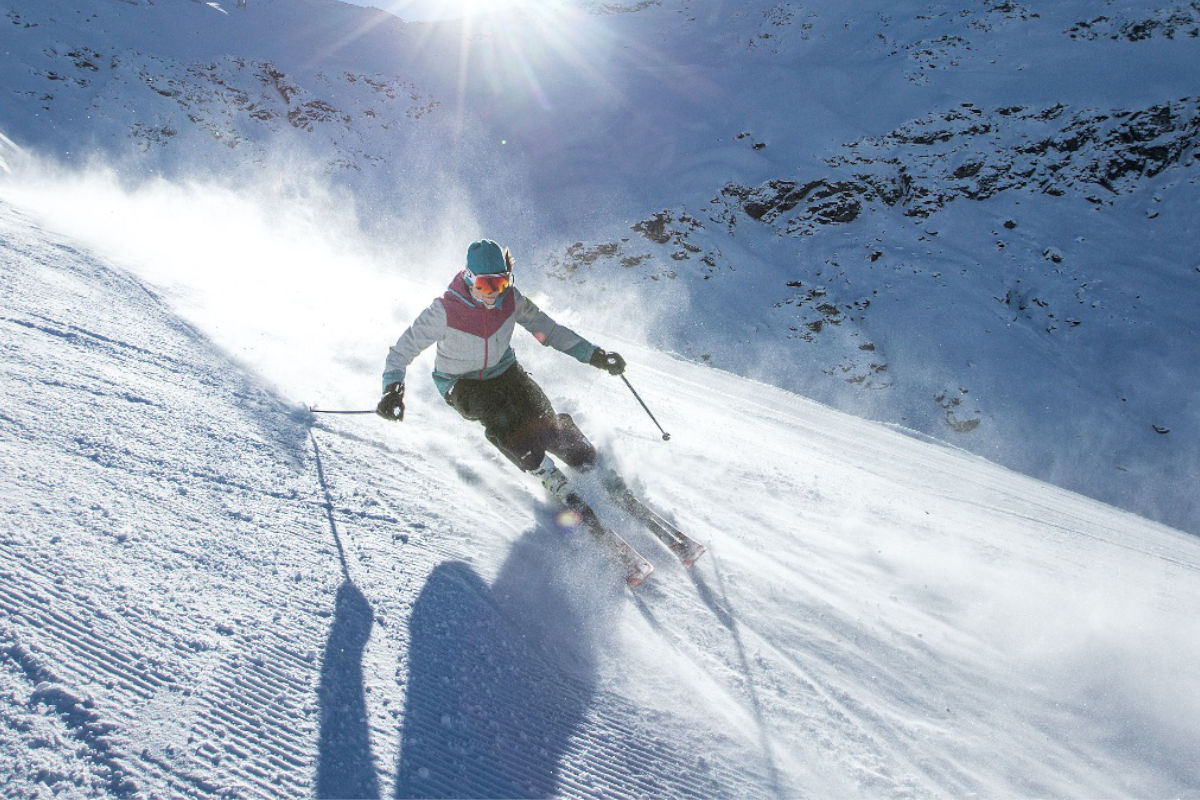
x: 206, y: 590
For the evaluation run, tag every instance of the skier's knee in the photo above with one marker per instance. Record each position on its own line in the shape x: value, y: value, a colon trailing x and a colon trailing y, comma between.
x: 529, y: 460
x: 525, y: 457
x: 579, y: 456
x: 571, y: 445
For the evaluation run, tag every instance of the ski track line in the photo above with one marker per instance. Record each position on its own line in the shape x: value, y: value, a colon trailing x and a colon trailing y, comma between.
x: 1106, y: 535
x: 612, y: 752
x: 873, y: 735
x: 884, y: 740
x: 737, y: 663
x: 656, y: 764
x: 935, y: 463
x: 872, y: 732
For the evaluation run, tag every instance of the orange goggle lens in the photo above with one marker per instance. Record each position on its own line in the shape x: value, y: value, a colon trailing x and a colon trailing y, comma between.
x: 491, y: 283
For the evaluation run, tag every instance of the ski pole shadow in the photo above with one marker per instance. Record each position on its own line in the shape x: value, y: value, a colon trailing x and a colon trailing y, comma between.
x: 500, y: 679
x: 345, y: 765
x: 720, y: 609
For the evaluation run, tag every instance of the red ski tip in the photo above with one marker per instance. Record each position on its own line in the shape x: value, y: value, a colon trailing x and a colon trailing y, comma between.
x: 691, y: 557
x: 633, y: 579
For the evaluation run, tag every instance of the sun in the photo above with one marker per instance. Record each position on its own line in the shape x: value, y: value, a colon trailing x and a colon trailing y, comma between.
x: 436, y: 10
x: 485, y: 6
x: 524, y: 57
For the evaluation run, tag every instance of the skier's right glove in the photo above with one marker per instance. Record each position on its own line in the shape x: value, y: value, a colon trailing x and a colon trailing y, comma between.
x: 612, y: 363
x: 391, y: 405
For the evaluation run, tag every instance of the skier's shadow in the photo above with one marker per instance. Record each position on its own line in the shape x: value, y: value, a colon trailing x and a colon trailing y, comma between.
x: 499, y: 677
x: 345, y: 767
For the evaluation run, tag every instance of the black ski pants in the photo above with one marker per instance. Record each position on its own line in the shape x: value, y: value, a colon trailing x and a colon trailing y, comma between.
x: 519, y: 420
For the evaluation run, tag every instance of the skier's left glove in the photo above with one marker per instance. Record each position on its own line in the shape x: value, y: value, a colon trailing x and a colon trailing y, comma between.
x: 612, y: 363
x: 391, y: 405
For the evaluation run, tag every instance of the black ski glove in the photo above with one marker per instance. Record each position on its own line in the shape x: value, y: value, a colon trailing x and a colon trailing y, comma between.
x: 612, y: 363
x: 391, y: 405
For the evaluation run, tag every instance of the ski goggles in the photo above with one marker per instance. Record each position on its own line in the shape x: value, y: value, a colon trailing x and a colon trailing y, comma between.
x: 487, y: 284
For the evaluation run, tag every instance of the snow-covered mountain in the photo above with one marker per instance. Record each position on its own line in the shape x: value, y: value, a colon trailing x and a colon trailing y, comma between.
x: 972, y: 222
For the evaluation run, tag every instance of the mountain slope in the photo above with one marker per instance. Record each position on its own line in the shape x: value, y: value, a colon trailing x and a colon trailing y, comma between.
x: 207, y: 591
x: 975, y: 223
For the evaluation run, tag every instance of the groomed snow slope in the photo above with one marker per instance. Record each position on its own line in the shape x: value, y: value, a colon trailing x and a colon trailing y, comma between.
x: 207, y: 591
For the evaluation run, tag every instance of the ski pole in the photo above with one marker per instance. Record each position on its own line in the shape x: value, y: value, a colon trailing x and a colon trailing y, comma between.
x: 315, y: 410
x: 666, y: 436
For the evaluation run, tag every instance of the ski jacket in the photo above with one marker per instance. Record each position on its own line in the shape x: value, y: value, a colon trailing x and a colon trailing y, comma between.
x: 473, y: 341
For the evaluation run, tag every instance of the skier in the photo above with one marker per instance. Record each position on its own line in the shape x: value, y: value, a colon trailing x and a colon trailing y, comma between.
x: 477, y: 371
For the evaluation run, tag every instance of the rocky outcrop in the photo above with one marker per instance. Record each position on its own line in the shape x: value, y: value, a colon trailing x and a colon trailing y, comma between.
x: 1181, y: 21
x: 973, y: 154
x: 236, y: 101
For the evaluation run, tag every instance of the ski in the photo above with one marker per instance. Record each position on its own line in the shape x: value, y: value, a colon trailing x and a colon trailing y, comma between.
x: 683, y: 546
x: 635, y: 565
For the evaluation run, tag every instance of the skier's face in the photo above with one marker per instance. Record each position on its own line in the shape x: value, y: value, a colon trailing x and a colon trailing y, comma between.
x: 487, y: 288
x: 487, y: 298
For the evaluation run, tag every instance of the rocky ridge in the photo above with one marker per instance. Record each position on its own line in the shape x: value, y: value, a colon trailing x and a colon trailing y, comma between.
x: 957, y: 155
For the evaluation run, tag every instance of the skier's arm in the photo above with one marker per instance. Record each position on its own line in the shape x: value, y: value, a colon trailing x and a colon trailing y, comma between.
x: 560, y: 337
x: 550, y: 333
x: 427, y: 328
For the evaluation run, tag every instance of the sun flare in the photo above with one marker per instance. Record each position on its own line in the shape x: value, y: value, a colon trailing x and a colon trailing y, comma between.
x: 485, y: 6
x: 430, y: 10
